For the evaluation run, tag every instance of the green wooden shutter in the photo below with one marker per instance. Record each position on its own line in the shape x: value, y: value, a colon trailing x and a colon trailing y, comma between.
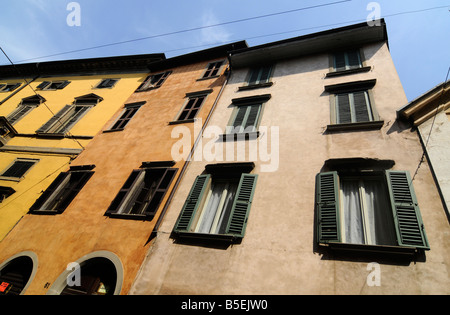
x: 362, y: 108
x: 192, y: 203
x: 408, y: 221
x: 328, y: 207
x: 343, y: 111
x: 241, y: 206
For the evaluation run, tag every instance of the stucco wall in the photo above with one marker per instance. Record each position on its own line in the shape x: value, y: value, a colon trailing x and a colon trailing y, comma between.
x: 277, y: 254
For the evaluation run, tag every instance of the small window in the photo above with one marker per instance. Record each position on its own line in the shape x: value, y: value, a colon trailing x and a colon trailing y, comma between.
x: 260, y: 75
x: 19, y: 168
x: 191, y: 108
x: 142, y: 193
x: 9, y: 87
x: 127, y: 114
x: 218, y: 205
x: 377, y: 208
x: 347, y: 60
x: 353, y: 107
x: 57, y: 197
x: 25, y: 107
x: 213, y: 69
x: 5, y: 192
x: 53, y: 85
x: 107, y: 83
x: 154, y: 81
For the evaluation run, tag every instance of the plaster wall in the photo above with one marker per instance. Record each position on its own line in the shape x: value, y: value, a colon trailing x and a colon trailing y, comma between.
x: 277, y: 254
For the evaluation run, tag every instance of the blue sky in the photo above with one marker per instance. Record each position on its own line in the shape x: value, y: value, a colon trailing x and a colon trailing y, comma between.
x: 419, y: 42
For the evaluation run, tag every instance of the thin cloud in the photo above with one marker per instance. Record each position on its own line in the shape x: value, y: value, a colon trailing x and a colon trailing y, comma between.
x: 213, y: 35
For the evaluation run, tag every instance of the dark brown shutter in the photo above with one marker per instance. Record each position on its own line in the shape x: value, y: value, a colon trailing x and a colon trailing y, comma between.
x: 160, y: 192
x: 49, y: 191
x: 120, y: 197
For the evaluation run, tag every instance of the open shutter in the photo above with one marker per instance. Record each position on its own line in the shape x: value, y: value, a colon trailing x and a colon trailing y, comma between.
x: 62, y: 85
x: 76, y: 183
x: 328, y: 207
x: 43, y: 85
x: 19, y: 113
x: 49, y: 191
x: 79, y: 112
x: 120, y: 197
x: 192, y: 203
x: 241, y: 206
x: 54, y: 119
x: 160, y: 192
x: 408, y: 221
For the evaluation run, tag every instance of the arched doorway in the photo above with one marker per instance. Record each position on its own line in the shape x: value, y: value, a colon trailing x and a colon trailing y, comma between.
x: 17, y: 273
x: 98, y: 273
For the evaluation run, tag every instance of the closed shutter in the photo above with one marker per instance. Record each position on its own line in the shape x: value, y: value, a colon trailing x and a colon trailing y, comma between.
x: 55, y: 119
x: 353, y: 59
x: 343, y: 111
x: 339, y: 61
x: 265, y: 74
x: 48, y: 192
x: 192, y: 203
x: 409, y: 226
x: 19, y: 113
x: 362, y: 112
x: 62, y: 85
x: 241, y: 206
x: 252, y: 118
x: 43, y: 85
x: 327, y: 200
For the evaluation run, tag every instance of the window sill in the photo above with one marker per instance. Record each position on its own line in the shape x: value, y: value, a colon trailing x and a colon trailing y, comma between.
x: 176, y: 122
x: 347, y: 72
x: 192, y: 236
x: 136, y: 217
x: 113, y: 130
x: 212, y: 77
x: 373, y: 249
x: 239, y: 136
x: 45, y: 212
x: 255, y: 86
x: 370, y: 125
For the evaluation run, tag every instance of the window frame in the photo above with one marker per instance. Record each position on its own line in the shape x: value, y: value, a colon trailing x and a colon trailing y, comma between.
x: 348, y: 88
x: 147, y: 85
x: 60, y: 189
x: 334, y: 71
x: 101, y: 84
x: 258, y: 84
x: 241, y: 205
x: 191, y: 96
x: 122, y: 202
x: 328, y: 213
x: 32, y: 162
x: 9, y: 87
x: 124, y: 118
x: 53, y: 85
x: 215, y: 72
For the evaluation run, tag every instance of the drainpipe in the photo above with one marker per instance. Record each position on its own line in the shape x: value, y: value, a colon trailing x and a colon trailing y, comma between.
x: 188, y: 160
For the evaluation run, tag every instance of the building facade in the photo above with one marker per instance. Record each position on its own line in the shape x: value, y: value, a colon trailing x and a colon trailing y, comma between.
x: 49, y: 113
x: 94, y: 222
x: 305, y: 182
x: 429, y: 114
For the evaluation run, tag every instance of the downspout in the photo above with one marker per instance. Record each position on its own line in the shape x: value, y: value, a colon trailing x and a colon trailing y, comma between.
x: 188, y: 160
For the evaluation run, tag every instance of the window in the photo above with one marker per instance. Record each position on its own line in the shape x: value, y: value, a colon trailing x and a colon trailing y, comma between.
x: 107, y: 83
x: 246, y: 115
x: 9, y: 87
x: 377, y: 208
x: 218, y: 204
x: 53, y: 85
x: 17, y: 273
x: 128, y: 113
x: 19, y: 168
x: 347, y: 60
x: 192, y: 106
x: 154, y: 81
x: 5, y: 192
x: 352, y: 106
x: 25, y: 107
x: 213, y: 70
x: 69, y: 115
x: 143, y: 192
x: 63, y: 190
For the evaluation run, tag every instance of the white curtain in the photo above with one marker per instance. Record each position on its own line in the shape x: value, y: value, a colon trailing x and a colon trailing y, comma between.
x: 217, y: 208
x: 367, y: 212
x: 353, y: 221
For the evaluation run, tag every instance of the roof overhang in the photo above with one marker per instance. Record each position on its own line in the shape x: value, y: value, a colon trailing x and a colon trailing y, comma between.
x: 322, y: 42
x: 427, y: 105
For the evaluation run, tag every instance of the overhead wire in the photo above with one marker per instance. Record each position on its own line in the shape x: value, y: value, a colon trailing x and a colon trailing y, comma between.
x: 34, y: 91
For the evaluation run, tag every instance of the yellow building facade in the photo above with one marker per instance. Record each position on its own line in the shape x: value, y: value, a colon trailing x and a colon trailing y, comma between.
x: 49, y: 112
